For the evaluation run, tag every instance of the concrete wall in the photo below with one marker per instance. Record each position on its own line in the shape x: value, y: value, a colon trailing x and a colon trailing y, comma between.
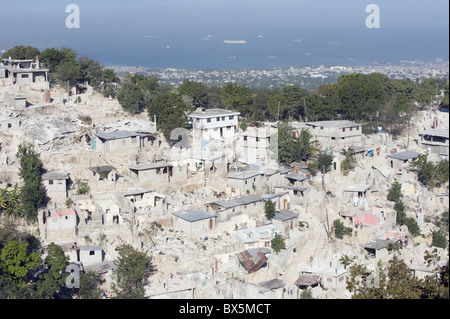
x: 60, y: 225
x: 203, y: 226
x: 56, y: 189
x: 90, y: 255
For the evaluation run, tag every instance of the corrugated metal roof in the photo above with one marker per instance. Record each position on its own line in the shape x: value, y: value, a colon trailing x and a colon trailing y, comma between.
x: 436, y: 132
x: 238, y: 201
x: 284, y: 215
x: 55, y: 176
x: 308, y: 280
x: 143, y: 167
x: 243, y: 174
x: 253, y: 259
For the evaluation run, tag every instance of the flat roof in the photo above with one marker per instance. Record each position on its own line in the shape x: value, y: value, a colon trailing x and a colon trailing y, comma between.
x: 143, y: 167
x: 296, y: 177
x: 194, y: 215
x: 357, y: 188
x: 55, y: 176
x: 331, y: 124
x: 206, y: 113
x: 238, y: 201
x: 436, y: 132
x: 119, y: 134
x: 101, y: 168
x: 284, y: 214
x: 244, y: 174
x: 406, y: 155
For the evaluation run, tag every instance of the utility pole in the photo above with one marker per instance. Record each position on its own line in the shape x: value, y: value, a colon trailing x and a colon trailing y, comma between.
x: 306, y: 113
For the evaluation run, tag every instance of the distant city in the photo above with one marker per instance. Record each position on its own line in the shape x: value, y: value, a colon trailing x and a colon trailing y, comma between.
x: 308, y: 77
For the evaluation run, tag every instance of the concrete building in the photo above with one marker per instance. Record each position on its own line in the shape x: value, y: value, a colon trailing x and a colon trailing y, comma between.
x: 214, y: 124
x: 398, y: 161
x: 155, y: 174
x: 90, y: 255
x: 120, y: 141
x: 26, y: 73
x: 104, y: 172
x: 256, y: 237
x: 284, y: 221
x: 56, y: 185
x: 58, y: 225
x: 193, y: 222
x: 253, y: 146
x: 244, y: 182
x: 436, y: 141
x: 336, y: 133
x: 239, y: 212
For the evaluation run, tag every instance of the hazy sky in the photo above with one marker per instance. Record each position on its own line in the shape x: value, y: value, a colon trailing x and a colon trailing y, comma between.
x: 45, y: 14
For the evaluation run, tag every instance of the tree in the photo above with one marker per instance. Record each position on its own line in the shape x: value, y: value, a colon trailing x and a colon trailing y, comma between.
x: 395, y: 192
x: 52, y: 279
x: 33, y: 194
x: 277, y: 243
x: 196, y: 91
x: 21, y: 52
x: 133, y: 269
x: 91, y: 71
x: 170, y: 111
x: 349, y: 163
x: 16, y: 261
x: 89, y: 286
x: 237, y: 98
x: 322, y: 162
x: 10, y: 203
x: 439, y: 239
x: 340, y: 230
x: 269, y: 209
x: 131, y: 98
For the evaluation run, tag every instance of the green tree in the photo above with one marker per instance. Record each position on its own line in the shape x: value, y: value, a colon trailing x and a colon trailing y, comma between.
x: 277, y: 243
x: 132, y: 272
x: 395, y: 192
x: 349, y: 163
x: 89, y: 286
x: 91, y: 71
x: 170, y: 111
x: 237, y: 98
x: 33, y: 194
x: 340, y: 230
x: 20, y: 52
x: 322, y: 163
x: 10, y: 202
x: 16, y: 261
x: 269, y: 209
x: 439, y: 239
x: 196, y: 91
x: 131, y: 97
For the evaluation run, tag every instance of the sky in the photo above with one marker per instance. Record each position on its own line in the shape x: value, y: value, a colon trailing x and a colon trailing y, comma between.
x: 42, y: 23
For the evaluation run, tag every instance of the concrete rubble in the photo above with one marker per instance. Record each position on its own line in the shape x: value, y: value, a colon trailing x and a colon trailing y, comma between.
x: 205, y: 263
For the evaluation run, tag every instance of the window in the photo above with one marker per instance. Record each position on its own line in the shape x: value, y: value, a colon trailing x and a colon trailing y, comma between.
x: 91, y: 252
x: 25, y: 76
x: 134, y: 140
x: 357, y: 128
x: 245, y: 138
x: 351, y: 129
x: 50, y: 182
x: 218, y: 119
x: 321, y: 127
x: 257, y: 139
x: 343, y: 130
x: 208, y: 120
x: 231, y: 117
x: 223, y: 118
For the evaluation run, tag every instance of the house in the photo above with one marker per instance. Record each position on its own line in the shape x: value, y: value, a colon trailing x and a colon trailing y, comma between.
x: 295, y: 180
x: 155, y: 174
x: 90, y: 255
x: 244, y: 182
x: 26, y: 73
x: 378, y: 249
x: 357, y: 190
x: 194, y: 221
x: 336, y: 133
x: 296, y: 195
x: 214, y: 124
x: 56, y: 185
x: 253, y: 145
x: 256, y: 237
x: 436, y: 141
x: 120, y: 141
x: 238, y: 212
x: 398, y: 161
x: 284, y: 221
x: 104, y: 172
x: 253, y: 259
x: 58, y: 225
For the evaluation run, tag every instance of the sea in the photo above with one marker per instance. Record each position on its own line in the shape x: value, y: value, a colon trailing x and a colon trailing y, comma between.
x: 253, y: 48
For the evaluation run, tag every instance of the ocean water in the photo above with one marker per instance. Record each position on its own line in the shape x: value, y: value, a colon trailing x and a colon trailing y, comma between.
x: 204, y: 48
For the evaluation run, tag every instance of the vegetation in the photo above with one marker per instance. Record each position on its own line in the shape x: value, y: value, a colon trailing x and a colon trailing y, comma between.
x: 33, y: 194
x: 397, y: 281
x: 269, y: 209
x: 430, y: 174
x: 395, y: 195
x: 132, y: 272
x: 277, y: 243
x: 340, y: 230
x: 349, y: 163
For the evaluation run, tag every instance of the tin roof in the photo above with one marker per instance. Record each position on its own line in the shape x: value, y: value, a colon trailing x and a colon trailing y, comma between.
x: 253, y: 259
x: 406, y: 155
x: 119, y: 135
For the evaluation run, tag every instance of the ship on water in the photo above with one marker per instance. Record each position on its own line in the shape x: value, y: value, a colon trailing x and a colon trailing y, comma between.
x: 235, y: 41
